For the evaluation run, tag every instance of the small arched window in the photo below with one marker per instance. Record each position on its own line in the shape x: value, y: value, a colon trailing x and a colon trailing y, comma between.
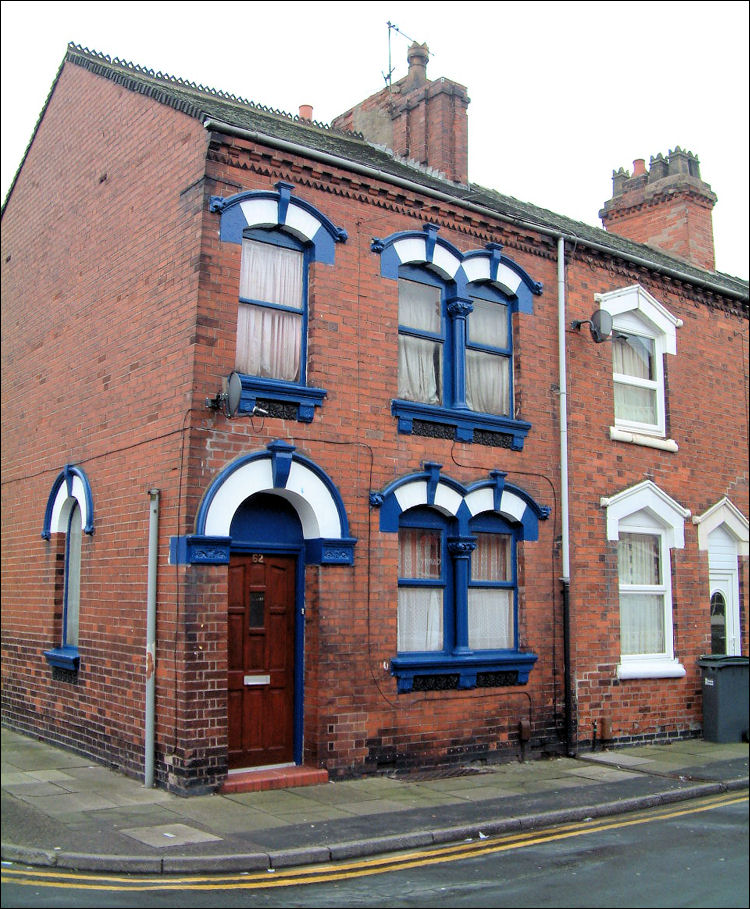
x: 69, y: 512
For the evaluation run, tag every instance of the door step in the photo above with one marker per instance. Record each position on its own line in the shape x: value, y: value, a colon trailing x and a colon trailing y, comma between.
x: 274, y: 778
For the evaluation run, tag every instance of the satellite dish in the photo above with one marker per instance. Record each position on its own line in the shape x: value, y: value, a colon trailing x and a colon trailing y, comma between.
x: 234, y: 393
x: 600, y: 325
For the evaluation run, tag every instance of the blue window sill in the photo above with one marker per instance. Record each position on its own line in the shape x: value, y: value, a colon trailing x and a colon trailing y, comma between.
x: 465, y: 422
x: 407, y: 667
x: 305, y: 397
x: 63, y: 658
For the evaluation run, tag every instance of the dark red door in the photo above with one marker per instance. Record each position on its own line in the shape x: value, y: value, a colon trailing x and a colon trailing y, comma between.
x: 261, y: 660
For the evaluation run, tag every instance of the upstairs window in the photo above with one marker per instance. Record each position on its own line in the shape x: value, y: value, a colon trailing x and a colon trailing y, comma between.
x: 643, y: 331
x: 281, y: 236
x: 638, y: 382
x: 421, y: 342
x: 488, y: 353
x: 453, y: 352
x: 271, y: 314
x: 455, y: 337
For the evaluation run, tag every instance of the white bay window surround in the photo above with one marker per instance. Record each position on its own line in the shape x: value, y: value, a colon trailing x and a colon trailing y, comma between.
x: 643, y: 332
x: 647, y: 524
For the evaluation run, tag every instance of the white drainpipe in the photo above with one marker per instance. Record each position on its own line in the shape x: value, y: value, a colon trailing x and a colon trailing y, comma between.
x: 570, y: 732
x: 561, y: 326
x: 153, y: 549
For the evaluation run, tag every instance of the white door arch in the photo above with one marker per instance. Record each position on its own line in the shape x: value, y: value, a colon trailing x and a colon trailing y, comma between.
x: 723, y: 531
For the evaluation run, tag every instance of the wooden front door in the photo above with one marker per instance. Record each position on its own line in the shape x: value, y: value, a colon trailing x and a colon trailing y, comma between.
x: 261, y: 660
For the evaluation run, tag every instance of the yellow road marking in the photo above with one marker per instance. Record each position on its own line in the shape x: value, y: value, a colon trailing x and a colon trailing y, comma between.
x: 327, y: 872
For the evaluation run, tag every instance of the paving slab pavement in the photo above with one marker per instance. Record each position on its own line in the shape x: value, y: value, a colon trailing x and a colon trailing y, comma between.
x: 61, y: 809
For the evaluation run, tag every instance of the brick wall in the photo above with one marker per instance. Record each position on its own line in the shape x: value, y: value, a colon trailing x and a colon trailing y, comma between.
x: 131, y: 326
x: 99, y: 283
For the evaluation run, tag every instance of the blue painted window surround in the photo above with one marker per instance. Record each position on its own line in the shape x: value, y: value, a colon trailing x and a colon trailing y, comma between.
x: 458, y: 599
x: 281, y: 236
x: 457, y: 584
x: 455, y: 334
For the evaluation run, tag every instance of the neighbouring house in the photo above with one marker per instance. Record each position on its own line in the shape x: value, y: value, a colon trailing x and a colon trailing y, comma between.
x: 318, y: 457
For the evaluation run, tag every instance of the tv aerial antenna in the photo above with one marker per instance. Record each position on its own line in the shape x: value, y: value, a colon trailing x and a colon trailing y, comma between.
x: 393, y: 28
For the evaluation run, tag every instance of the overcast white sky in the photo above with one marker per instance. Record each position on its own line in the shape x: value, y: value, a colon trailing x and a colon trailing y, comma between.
x: 561, y: 94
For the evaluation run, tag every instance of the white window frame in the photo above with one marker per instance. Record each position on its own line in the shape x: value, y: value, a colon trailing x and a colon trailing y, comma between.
x: 645, y: 508
x: 635, y: 312
x: 725, y: 517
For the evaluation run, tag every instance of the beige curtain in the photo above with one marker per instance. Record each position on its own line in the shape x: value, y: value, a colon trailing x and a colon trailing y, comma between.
x: 269, y: 340
x: 420, y: 609
x: 634, y: 357
x: 641, y: 610
x: 420, y: 360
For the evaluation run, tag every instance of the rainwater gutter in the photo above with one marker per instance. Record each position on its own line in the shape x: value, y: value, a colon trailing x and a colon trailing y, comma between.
x: 345, y: 164
x: 150, y: 722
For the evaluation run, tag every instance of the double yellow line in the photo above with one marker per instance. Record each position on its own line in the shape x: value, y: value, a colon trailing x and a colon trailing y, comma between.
x: 322, y: 873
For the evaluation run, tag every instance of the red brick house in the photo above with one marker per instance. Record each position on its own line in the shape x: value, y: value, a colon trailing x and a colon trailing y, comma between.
x: 318, y: 457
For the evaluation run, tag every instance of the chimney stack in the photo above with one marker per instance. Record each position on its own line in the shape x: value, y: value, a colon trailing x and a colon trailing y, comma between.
x: 667, y: 206
x: 425, y: 121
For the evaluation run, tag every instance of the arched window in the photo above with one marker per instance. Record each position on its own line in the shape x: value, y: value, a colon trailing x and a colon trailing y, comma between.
x: 455, y: 336
x: 272, y: 312
x: 457, y: 604
x: 281, y: 236
x: 69, y: 512
x: 647, y: 524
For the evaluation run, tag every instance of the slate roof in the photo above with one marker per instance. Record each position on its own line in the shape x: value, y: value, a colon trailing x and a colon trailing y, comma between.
x: 202, y: 103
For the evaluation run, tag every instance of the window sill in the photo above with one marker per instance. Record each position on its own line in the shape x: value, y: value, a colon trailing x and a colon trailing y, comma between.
x: 639, y: 438
x: 464, y: 422
x: 304, y: 397
x: 63, y: 658
x: 650, y: 669
x: 467, y: 667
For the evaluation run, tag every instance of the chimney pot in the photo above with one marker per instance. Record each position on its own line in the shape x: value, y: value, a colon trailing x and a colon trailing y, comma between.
x: 305, y: 111
x: 668, y: 207
x: 417, y: 59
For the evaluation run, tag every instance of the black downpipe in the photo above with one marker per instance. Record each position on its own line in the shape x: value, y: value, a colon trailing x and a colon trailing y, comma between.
x: 570, y: 735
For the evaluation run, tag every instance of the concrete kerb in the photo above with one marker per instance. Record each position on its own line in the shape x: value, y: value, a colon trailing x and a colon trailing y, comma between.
x: 337, y: 852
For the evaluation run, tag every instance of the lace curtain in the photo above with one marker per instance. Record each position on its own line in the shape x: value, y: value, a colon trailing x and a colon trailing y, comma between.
x: 487, y: 382
x: 491, y: 608
x: 268, y: 339
x: 641, y: 611
x: 420, y: 360
x: 420, y: 609
x: 634, y: 357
